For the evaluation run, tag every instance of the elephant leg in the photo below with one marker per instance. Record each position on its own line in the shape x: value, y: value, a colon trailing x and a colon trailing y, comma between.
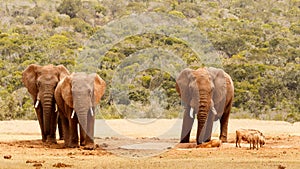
x: 39, y: 113
x: 224, y: 123
x: 51, y: 138
x: 73, y: 124
x: 60, y: 128
x: 66, y: 130
x: 186, y: 126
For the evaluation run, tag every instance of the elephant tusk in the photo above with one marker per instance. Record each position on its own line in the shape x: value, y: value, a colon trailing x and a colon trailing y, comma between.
x: 192, y: 113
x: 36, y: 103
x: 92, y: 112
x: 73, y: 113
x: 56, y: 109
x: 214, y: 110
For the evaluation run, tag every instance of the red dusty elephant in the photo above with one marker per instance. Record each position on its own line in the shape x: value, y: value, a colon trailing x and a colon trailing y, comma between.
x: 41, y: 82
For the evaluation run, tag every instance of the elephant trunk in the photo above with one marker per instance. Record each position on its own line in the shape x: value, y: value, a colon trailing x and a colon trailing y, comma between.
x: 85, y: 114
x: 82, y: 117
x: 47, y: 108
x: 81, y: 108
x: 204, y: 106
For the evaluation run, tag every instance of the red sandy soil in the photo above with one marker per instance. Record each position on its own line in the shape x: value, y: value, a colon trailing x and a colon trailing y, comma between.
x: 20, y: 147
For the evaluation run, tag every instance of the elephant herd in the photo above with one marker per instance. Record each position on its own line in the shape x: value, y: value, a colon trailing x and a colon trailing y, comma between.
x: 68, y: 100
x: 64, y: 99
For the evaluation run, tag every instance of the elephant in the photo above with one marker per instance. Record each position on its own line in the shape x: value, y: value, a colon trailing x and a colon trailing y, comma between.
x: 76, y: 97
x: 207, y: 92
x: 40, y: 82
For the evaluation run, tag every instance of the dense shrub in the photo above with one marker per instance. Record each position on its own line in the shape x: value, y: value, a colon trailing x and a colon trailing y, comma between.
x: 258, y: 43
x: 69, y: 7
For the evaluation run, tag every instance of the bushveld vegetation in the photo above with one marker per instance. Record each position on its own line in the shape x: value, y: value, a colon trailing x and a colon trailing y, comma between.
x: 258, y: 43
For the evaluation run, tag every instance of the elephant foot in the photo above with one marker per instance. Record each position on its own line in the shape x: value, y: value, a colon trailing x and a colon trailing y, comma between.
x: 86, y: 141
x: 44, y: 140
x: 51, y: 140
x: 185, y: 141
x: 73, y: 145
x: 90, y: 147
x: 82, y: 143
x: 208, y: 140
x: 65, y: 146
x: 223, y: 139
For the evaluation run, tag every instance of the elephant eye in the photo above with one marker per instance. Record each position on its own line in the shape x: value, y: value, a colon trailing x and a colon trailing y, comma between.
x: 38, y: 84
x: 39, y: 73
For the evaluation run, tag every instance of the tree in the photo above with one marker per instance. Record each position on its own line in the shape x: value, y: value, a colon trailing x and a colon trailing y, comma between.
x: 69, y: 7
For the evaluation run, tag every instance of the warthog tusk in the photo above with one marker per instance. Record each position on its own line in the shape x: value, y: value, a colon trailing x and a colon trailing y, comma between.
x: 73, y: 112
x: 92, y: 112
x: 192, y: 113
x: 36, y: 103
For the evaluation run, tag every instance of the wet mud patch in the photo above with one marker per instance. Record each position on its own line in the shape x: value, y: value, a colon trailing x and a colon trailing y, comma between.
x: 138, y: 147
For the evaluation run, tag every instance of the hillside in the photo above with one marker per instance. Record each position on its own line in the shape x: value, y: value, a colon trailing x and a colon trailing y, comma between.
x: 256, y: 42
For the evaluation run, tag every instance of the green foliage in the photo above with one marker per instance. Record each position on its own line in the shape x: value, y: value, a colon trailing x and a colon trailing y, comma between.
x: 36, y: 12
x: 16, y: 105
x: 190, y: 10
x: 100, y: 9
x: 69, y: 7
x: 295, y: 28
x: 146, y: 81
x: 81, y: 26
x: 177, y: 13
x: 258, y: 41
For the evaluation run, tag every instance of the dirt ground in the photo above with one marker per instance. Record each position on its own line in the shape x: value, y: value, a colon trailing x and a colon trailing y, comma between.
x: 21, y: 147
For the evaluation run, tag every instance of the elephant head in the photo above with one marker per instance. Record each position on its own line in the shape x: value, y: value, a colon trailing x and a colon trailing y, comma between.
x: 82, y: 92
x: 41, y: 82
x: 202, y: 92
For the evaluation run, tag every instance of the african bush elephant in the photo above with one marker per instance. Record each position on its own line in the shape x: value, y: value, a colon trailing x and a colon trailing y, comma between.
x: 207, y: 92
x: 76, y: 96
x: 40, y: 82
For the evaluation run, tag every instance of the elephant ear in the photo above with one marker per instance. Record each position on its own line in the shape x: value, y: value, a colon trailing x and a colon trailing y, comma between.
x: 182, y: 84
x: 219, y: 89
x: 99, y: 88
x: 66, y: 90
x: 63, y: 71
x: 29, y: 76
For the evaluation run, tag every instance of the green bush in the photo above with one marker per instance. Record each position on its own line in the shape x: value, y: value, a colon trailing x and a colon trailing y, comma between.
x: 81, y: 26
x: 69, y: 7
x: 100, y: 9
x: 258, y: 43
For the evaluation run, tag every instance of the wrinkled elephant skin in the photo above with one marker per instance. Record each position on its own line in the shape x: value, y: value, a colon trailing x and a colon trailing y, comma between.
x: 207, y: 92
x: 76, y: 96
x: 40, y: 82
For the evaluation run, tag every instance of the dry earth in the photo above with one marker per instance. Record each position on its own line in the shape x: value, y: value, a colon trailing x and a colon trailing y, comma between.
x: 21, y: 147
